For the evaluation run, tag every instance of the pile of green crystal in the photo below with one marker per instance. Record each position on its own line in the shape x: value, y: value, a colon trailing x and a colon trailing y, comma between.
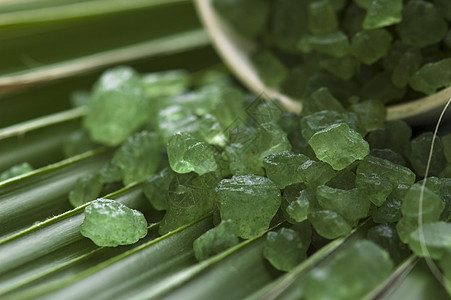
x: 299, y: 181
x: 388, y: 50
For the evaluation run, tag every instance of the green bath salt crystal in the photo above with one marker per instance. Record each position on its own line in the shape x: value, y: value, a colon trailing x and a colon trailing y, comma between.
x: 371, y: 113
x: 379, y: 177
x: 341, y: 67
x: 352, y: 204
x: 138, y: 157
x: 432, y: 204
x: 298, y: 209
x: 109, y: 223
x: 436, y: 237
x: 335, y: 44
x: 156, y: 188
x: 187, y: 154
x: 176, y: 118
x: 118, y: 106
x: 16, y: 170
x: 284, y: 249
x: 418, y: 154
x: 422, y: 25
x: 351, y: 274
x: 339, y: 146
x: 432, y: 76
x: 315, y: 173
x: 216, y: 240
x: 167, y: 83
x: 250, y: 201
x: 282, y: 167
x: 409, y: 62
x: 321, y: 17
x: 270, y: 69
x: 87, y: 188
x: 320, y: 100
x: 369, y: 46
x: 381, y: 13
x: 329, y: 224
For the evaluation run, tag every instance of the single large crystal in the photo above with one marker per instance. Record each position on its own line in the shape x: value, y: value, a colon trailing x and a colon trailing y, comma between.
x: 371, y: 45
x: 314, y: 173
x: 335, y: 44
x: 187, y: 154
x: 383, y: 13
x: 422, y: 25
x: 371, y: 113
x: 320, y: 100
x: 422, y: 201
x: 282, y: 168
x: 329, y: 224
x: 118, y: 106
x: 394, y: 135
x: 109, y: 223
x: 249, y: 201
x: 166, y: 83
x: 350, y: 274
x: 432, y: 76
x: 321, y: 17
x: 339, y: 146
x: 418, y: 156
x: 215, y: 240
x: 435, y: 237
x: 87, y: 188
x: 138, y: 157
x: 284, y: 249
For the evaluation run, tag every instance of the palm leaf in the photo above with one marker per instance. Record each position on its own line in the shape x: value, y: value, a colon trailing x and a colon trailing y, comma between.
x: 42, y: 253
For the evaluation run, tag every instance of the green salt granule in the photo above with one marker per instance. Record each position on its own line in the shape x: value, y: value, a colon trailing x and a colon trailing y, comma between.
x: 211, y: 131
x: 436, y: 237
x: 248, y: 17
x: 390, y: 155
x: 189, y: 198
x: 250, y: 201
x: 405, y: 226
x: 321, y: 17
x: 290, y: 123
x: 16, y: 170
x: 341, y: 89
x: 118, y: 106
x: 269, y: 68
x: 166, y: 83
x: 339, y: 146
x: 329, y: 224
x: 138, y: 157
x: 249, y: 146
x: 344, y: 179
x: 432, y: 76
x: 215, y: 240
x: 288, y: 23
x: 321, y: 120
x: 365, y: 4
x: 351, y: 274
x: 77, y: 142
x: 381, y: 87
x: 385, y: 235
x: 394, y: 135
x: 390, y: 210
x: 186, y: 154
x: 341, y: 67
x: 214, y: 77
x: 315, y: 173
x: 409, y: 62
x: 298, y: 209
x: 229, y: 107
x: 109, y: 223
x: 444, y: 7
x: 432, y: 204
x: 382, y: 13
x: 284, y: 249
x: 282, y: 167
x: 262, y: 110
x: 110, y: 172
x: 419, y: 154
x: 352, y: 204
x: 422, y: 25
x: 320, y: 100
x: 200, y: 102
x: 379, y: 177
x: 369, y: 46
x: 371, y: 113
x: 175, y: 119
x: 446, y: 144
x: 156, y: 188
x: 86, y: 188
x: 335, y: 44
